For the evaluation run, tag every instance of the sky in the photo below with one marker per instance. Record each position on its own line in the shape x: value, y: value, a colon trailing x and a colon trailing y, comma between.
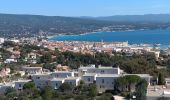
x: 85, y: 7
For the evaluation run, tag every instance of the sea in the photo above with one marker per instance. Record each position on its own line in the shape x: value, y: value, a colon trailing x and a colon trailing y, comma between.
x: 156, y: 36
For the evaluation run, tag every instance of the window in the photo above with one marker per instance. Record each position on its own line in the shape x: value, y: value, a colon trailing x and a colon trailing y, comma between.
x: 56, y: 84
x: 102, y: 80
x: 89, y: 79
x: 19, y: 85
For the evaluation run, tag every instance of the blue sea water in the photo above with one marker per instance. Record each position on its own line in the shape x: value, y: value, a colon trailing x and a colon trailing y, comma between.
x: 161, y: 36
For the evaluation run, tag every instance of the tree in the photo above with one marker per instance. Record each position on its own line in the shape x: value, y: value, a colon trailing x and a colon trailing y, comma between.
x: 29, y: 85
x: 92, y: 90
x: 10, y: 90
x: 132, y: 81
x: 163, y: 98
x: 31, y: 89
x: 46, y: 58
x: 126, y: 81
x: 47, y: 93
x: 161, y: 79
x: 141, y: 89
x: 106, y: 96
x: 65, y: 87
x: 121, y: 84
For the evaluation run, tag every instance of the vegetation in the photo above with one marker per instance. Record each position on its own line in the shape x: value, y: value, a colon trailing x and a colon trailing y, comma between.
x: 141, y: 89
x: 34, y: 25
x: 161, y: 79
x: 30, y: 92
x: 131, y: 85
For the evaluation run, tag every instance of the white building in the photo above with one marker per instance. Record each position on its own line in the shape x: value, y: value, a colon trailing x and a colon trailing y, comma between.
x: 41, y: 83
x: 20, y: 83
x: 89, y: 78
x: 2, y: 40
x: 99, y: 70
x: 62, y: 74
x: 57, y: 82
x: 74, y: 81
x: 41, y: 76
x: 105, y: 82
x: 10, y: 60
x: 32, y: 70
x: 5, y: 86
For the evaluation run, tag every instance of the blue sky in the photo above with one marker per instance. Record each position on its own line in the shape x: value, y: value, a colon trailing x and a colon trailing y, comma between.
x: 85, y: 7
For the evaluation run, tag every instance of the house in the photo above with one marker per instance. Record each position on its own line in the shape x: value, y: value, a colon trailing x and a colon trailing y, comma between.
x: 32, y: 70
x: 62, y: 74
x: 89, y: 78
x: 32, y: 58
x: 82, y: 70
x: 2, y: 40
x: 74, y: 81
x: 41, y: 76
x: 5, y: 86
x: 41, y: 83
x: 10, y: 60
x: 105, y: 82
x: 56, y: 82
x: 20, y: 83
x: 99, y: 70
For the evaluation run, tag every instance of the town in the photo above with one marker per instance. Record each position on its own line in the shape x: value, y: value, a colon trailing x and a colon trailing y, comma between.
x: 36, y: 68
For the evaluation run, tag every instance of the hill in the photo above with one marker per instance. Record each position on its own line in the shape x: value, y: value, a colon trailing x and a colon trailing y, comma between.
x: 12, y: 25
x: 161, y: 18
x: 30, y: 25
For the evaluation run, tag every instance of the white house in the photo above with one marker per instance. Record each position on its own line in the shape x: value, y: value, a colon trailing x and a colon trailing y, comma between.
x: 32, y: 58
x: 2, y: 40
x: 41, y: 76
x: 5, y: 86
x: 32, y: 70
x: 89, y: 78
x: 10, y: 60
x: 105, y: 82
x: 99, y: 70
x: 56, y: 82
x: 74, y: 81
x: 41, y: 83
x: 82, y: 70
x: 20, y: 83
x: 62, y: 74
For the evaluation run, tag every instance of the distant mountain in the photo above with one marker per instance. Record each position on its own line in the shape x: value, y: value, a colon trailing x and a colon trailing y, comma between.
x: 12, y: 25
x: 30, y: 25
x: 161, y: 18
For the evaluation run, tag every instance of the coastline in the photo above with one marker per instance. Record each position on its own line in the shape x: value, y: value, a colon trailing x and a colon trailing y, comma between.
x: 65, y: 34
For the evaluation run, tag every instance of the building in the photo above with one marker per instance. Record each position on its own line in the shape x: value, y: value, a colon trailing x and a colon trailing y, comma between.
x: 99, y: 70
x: 62, y: 74
x: 41, y: 76
x: 5, y: 86
x: 56, y: 82
x: 2, y: 40
x: 105, y: 82
x: 74, y: 81
x: 89, y: 78
x: 20, y: 83
x: 32, y: 70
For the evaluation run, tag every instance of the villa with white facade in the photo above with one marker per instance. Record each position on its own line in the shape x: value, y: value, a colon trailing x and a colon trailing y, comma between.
x: 103, y: 76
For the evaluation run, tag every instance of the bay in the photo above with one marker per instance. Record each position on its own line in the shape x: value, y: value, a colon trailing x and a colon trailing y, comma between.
x: 157, y: 36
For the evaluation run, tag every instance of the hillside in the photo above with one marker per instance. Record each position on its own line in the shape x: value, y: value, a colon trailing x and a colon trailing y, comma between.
x: 29, y: 25
x: 161, y: 18
x: 12, y: 25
